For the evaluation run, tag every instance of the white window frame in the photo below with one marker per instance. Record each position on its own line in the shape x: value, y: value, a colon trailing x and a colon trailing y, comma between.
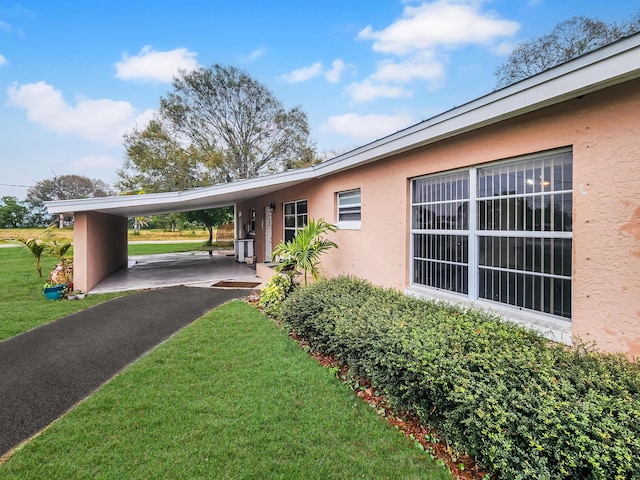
x: 343, y: 208
x: 555, y: 323
x: 301, y: 218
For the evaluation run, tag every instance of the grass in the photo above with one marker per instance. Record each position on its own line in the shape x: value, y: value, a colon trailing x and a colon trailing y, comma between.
x: 23, y: 306
x: 232, y: 397
x: 8, y: 234
x: 154, y: 248
x: 22, y: 303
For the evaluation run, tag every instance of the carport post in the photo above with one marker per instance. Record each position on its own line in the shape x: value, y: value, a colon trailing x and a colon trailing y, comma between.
x: 99, y: 247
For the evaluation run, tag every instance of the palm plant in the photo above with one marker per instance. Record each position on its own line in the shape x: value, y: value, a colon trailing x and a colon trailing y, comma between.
x: 302, y: 252
x: 38, y: 245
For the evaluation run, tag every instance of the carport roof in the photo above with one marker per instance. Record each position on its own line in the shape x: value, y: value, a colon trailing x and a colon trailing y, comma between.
x: 610, y: 65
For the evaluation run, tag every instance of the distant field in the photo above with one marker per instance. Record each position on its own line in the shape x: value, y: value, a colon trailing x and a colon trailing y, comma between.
x: 9, y: 234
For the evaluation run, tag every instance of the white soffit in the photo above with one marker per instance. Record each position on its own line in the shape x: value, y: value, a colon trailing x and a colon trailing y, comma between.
x: 610, y: 65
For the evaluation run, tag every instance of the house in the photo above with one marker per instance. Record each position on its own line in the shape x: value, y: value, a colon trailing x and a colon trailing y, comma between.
x: 525, y: 201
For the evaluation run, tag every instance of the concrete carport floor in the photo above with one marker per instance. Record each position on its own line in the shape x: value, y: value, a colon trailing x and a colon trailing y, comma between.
x: 194, y: 269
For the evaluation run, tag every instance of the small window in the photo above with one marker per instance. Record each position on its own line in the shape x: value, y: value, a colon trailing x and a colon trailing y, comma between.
x: 295, y: 218
x: 349, y: 209
x: 252, y: 220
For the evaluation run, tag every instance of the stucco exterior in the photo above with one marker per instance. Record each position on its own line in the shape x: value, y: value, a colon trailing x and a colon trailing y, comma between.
x: 603, y: 133
x: 100, y: 247
x: 583, y: 112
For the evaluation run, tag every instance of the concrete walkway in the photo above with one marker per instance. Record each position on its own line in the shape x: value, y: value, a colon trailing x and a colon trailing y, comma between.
x: 46, y: 371
x: 198, y: 269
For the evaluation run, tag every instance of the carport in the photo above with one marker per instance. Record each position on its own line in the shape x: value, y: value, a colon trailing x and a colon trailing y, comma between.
x: 193, y: 269
x: 100, y: 224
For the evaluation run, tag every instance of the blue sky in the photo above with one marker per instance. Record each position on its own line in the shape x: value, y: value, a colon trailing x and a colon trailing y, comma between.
x: 75, y: 76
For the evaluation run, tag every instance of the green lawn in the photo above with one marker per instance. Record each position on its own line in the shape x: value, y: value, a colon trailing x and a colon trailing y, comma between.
x: 154, y: 248
x: 229, y: 397
x: 23, y: 306
x: 22, y: 303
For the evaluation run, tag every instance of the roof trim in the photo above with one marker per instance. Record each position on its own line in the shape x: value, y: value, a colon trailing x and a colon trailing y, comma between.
x: 607, y: 66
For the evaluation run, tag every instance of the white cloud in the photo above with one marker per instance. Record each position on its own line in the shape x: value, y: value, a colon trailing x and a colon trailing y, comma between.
x: 91, y: 162
x: 367, y: 90
x: 416, y: 45
x: 102, y: 121
x: 3, y: 60
x: 334, y: 75
x: 7, y: 27
x: 422, y: 66
x: 503, y: 48
x: 303, y: 74
x: 443, y: 23
x: 259, y: 52
x: 154, y: 66
x: 367, y: 127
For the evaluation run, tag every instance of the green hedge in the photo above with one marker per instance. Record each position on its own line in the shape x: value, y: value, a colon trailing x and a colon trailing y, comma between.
x: 522, y: 406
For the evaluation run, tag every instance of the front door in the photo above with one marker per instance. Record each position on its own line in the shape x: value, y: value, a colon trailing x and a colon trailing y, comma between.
x: 268, y: 246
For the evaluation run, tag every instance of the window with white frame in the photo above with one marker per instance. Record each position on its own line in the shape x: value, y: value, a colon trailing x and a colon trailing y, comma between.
x: 349, y: 209
x: 295, y: 218
x: 500, y: 232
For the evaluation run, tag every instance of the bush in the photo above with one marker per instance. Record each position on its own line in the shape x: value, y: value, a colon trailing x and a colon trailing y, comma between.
x: 523, y: 406
x: 275, y: 293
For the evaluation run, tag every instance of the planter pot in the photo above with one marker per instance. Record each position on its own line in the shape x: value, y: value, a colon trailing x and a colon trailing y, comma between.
x: 54, y: 293
x: 71, y: 297
x: 249, y: 260
x: 80, y: 296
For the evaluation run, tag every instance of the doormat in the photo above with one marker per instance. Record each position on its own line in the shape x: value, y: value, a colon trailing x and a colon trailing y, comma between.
x: 236, y: 284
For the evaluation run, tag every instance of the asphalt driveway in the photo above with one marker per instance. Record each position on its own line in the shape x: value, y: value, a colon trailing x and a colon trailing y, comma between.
x: 46, y: 371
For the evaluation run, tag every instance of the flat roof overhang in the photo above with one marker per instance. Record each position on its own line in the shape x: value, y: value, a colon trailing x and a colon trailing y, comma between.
x: 610, y: 65
x: 221, y: 195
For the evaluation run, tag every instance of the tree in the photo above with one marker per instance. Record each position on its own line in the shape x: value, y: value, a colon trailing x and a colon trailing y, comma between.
x: 303, y: 251
x: 213, y: 217
x: 12, y: 213
x: 235, y: 121
x: 569, y: 39
x: 66, y: 187
x: 155, y: 161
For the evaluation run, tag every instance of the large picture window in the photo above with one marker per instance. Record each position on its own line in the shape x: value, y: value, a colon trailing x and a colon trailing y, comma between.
x: 440, y: 206
x: 500, y: 232
x: 295, y: 218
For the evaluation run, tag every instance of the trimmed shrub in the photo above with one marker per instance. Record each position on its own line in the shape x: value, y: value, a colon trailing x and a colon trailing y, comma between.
x: 275, y: 292
x: 523, y: 406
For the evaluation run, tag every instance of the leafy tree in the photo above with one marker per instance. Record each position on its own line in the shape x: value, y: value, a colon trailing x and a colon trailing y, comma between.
x: 66, y: 187
x: 212, y: 217
x: 569, y: 39
x: 236, y: 123
x: 303, y: 251
x: 12, y: 213
x: 156, y: 161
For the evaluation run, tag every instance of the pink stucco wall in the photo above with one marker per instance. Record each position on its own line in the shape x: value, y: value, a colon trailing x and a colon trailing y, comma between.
x: 604, y: 133
x: 100, y: 247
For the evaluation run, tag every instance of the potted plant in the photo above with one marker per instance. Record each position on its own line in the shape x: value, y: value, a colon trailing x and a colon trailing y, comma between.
x: 54, y: 291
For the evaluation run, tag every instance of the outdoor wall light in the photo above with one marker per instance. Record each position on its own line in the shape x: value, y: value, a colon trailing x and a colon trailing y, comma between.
x: 272, y: 207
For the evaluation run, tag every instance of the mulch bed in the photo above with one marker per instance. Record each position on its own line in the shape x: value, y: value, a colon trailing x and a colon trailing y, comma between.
x: 236, y: 284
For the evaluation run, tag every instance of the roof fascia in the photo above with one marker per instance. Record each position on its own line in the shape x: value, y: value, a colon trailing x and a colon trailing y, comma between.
x: 607, y: 66
x: 166, y: 199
